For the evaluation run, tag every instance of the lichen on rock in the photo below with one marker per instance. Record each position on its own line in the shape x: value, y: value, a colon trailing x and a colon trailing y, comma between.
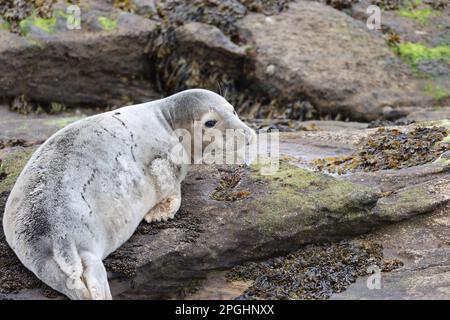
x: 292, y: 190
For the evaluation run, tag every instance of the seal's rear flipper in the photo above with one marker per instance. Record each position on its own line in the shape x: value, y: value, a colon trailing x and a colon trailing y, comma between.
x: 79, y: 277
x: 95, y: 277
x: 50, y: 272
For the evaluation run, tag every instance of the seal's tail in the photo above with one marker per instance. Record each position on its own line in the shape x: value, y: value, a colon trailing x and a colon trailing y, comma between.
x: 78, y: 276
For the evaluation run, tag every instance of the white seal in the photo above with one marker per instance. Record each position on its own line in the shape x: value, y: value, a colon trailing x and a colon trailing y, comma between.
x: 86, y: 189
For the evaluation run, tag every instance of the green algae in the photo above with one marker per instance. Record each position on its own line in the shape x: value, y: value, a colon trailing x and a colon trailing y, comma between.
x: 318, y: 197
x: 62, y: 122
x: 107, y: 23
x: 4, y: 25
x: 46, y: 25
x: 414, y: 53
x: 436, y: 91
x: 11, y: 166
x: 422, y: 15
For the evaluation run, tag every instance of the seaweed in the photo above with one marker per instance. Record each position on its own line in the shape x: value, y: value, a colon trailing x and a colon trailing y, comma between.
x: 390, y: 149
x: 125, y: 5
x: 388, y: 4
x: 314, y: 272
x: 227, y: 188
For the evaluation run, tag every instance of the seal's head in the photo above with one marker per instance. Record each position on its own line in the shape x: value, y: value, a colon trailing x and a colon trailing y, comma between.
x: 209, y: 118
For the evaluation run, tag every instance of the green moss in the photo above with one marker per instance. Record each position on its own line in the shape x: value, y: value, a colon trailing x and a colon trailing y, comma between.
x: 436, y: 91
x: 399, y: 206
x: 421, y: 15
x: 108, y: 24
x: 46, y: 25
x: 4, y: 25
x: 62, y: 14
x: 318, y: 197
x: 11, y: 166
x: 414, y: 53
x: 62, y: 122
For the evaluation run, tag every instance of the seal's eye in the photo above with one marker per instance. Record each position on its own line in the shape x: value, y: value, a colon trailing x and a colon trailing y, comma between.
x: 234, y: 112
x: 210, y: 123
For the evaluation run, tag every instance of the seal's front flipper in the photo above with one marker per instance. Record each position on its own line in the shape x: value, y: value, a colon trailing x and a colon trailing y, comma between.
x: 164, y: 210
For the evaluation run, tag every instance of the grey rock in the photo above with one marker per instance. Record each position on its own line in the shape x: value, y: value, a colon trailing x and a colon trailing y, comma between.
x: 91, y: 66
x: 331, y: 59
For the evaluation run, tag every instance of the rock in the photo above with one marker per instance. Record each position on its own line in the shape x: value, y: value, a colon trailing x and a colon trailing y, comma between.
x: 196, y: 55
x: 197, y: 36
x: 31, y: 128
x: 102, y: 64
x: 222, y: 14
x: 430, y: 114
x: 273, y: 215
x: 146, y: 7
x: 329, y: 58
x: 422, y: 244
x: 419, y: 29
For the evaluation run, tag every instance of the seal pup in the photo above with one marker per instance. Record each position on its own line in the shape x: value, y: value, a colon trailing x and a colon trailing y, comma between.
x: 86, y: 189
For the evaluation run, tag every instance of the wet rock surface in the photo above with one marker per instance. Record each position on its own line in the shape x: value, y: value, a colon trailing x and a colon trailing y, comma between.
x: 422, y: 244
